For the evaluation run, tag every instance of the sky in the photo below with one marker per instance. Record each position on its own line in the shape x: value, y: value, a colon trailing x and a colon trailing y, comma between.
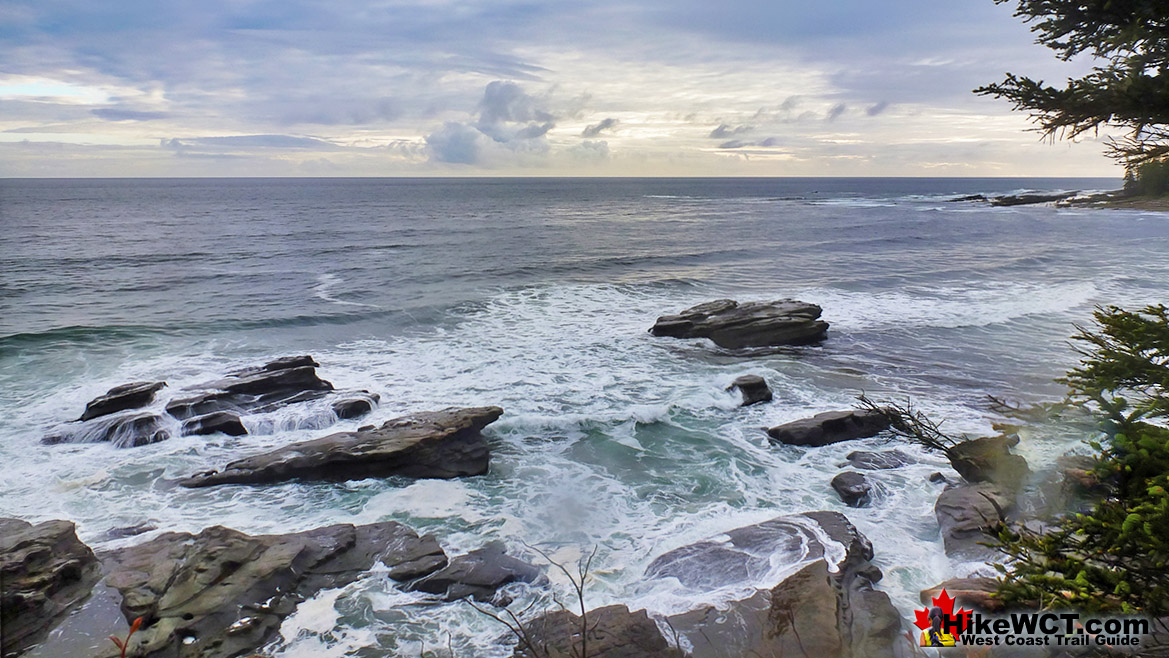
x: 522, y: 88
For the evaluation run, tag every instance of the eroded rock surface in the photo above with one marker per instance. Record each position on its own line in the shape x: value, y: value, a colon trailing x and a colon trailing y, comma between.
x: 750, y: 324
x: 989, y: 459
x: 830, y: 427
x: 121, y: 398
x: 753, y: 388
x: 964, y: 512
x: 875, y: 461
x: 478, y: 574
x: 612, y: 632
x: 853, y: 488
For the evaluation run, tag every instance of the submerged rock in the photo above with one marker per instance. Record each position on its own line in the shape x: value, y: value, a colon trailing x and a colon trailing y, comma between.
x: 355, y: 404
x: 830, y: 427
x: 753, y: 388
x: 813, y: 591
x: 45, y: 571
x: 875, y: 461
x: 121, y: 398
x: 853, y: 488
x: 255, y: 390
x: 750, y: 324
x: 478, y: 574
x: 223, y: 422
x: 124, y: 430
x: 612, y: 632
x: 965, y: 512
x: 435, y: 444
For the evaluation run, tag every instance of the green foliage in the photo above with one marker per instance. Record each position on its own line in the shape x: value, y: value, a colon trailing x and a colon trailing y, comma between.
x: 1130, y: 87
x: 1115, y: 558
x: 1149, y: 179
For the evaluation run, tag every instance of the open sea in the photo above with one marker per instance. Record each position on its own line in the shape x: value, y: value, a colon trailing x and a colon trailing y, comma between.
x: 536, y: 295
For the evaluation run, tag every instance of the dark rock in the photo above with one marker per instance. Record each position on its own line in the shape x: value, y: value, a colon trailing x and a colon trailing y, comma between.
x: 613, y: 632
x: 822, y: 605
x: 972, y: 593
x: 964, y: 513
x: 1077, y: 473
x: 938, y: 477
x: 1027, y: 199
x: 223, y: 422
x: 970, y: 197
x: 45, y: 572
x: 436, y: 444
x: 123, y: 430
x: 478, y: 574
x: 221, y: 592
x: 830, y: 427
x: 854, y: 488
x: 753, y: 388
x: 356, y: 405
x: 121, y: 398
x: 255, y: 390
x: 875, y: 461
x: 128, y: 531
x: 751, y: 324
x: 989, y: 459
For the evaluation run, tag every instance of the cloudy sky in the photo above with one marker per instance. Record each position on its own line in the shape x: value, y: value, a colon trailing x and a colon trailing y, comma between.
x: 528, y: 87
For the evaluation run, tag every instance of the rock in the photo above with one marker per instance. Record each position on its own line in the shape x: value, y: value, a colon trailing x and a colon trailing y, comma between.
x: 435, y: 444
x: 965, y: 511
x: 812, y: 581
x: 223, y: 422
x: 128, y: 531
x: 1027, y: 199
x: 123, y: 430
x: 874, y: 461
x: 969, y: 197
x: 753, y: 388
x: 121, y: 398
x: 355, y: 405
x: 972, y: 593
x: 854, y: 488
x: 1078, y: 474
x: 989, y: 459
x: 613, y: 632
x: 938, y: 477
x: 751, y: 324
x: 478, y: 574
x: 45, y: 572
x: 830, y: 427
x: 222, y: 592
x: 255, y: 390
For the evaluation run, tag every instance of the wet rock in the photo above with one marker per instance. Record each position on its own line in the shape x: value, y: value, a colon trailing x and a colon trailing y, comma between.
x: 478, y: 574
x: 255, y: 390
x: 128, y: 531
x: 613, y: 632
x: 223, y: 422
x: 969, y: 197
x: 123, y: 430
x: 938, y: 477
x: 1077, y: 473
x: 45, y: 572
x: 874, y: 461
x: 1028, y: 199
x: 222, y: 592
x: 750, y: 324
x: 830, y: 427
x: 813, y: 591
x: 853, y: 488
x: 964, y: 513
x: 972, y: 593
x: 753, y: 388
x: 355, y: 405
x: 435, y: 444
x: 989, y: 459
x: 122, y: 398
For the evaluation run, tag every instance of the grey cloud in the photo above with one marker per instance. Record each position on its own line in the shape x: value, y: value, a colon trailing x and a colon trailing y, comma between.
x: 877, y: 109
x: 507, y: 122
x: 836, y: 110
x: 741, y: 143
x: 115, y: 114
x: 248, y: 141
x: 590, y: 150
x: 724, y: 131
x: 595, y: 129
x: 456, y: 143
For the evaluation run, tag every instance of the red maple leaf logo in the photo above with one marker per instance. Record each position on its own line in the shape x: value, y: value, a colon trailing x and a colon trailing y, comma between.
x: 946, y: 603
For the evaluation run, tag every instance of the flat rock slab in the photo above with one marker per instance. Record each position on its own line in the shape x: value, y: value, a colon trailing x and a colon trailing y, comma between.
x: 45, y: 571
x: 612, y: 632
x: 751, y: 324
x: 966, y: 511
x: 121, y: 398
x: 435, y: 444
x: 830, y: 427
x: 478, y: 574
x: 1028, y: 199
x: 876, y: 461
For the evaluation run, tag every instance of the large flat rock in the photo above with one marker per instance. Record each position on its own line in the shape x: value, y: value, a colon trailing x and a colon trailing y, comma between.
x: 435, y: 444
x: 735, y: 325
x: 830, y: 427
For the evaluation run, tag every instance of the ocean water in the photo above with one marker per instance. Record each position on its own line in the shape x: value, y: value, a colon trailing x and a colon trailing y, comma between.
x: 536, y: 295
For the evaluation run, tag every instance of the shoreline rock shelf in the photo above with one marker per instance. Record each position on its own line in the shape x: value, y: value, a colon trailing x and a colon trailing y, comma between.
x: 434, y: 444
x: 735, y: 325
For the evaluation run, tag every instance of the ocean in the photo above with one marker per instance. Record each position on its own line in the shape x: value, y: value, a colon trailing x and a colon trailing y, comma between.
x: 536, y: 295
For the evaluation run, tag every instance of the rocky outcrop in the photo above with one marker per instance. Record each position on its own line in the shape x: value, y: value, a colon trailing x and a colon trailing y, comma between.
x: 753, y: 388
x: 830, y: 427
x: 989, y: 459
x: 223, y: 422
x: 611, y: 632
x: 355, y: 404
x: 965, y: 512
x: 972, y: 593
x: 221, y: 592
x: 875, y: 461
x: 435, y: 444
x: 478, y: 574
x: 1029, y: 199
x: 813, y: 591
x: 45, y: 571
x: 853, y: 488
x: 751, y: 324
x: 255, y: 390
x: 121, y: 398
x: 124, y: 430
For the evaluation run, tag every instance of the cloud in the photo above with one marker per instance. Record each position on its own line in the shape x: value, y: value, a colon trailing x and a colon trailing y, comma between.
x: 874, y: 110
x: 247, y: 142
x: 836, y: 110
x: 115, y: 114
x: 507, y: 122
x: 595, y: 129
x: 590, y: 151
x: 724, y: 131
